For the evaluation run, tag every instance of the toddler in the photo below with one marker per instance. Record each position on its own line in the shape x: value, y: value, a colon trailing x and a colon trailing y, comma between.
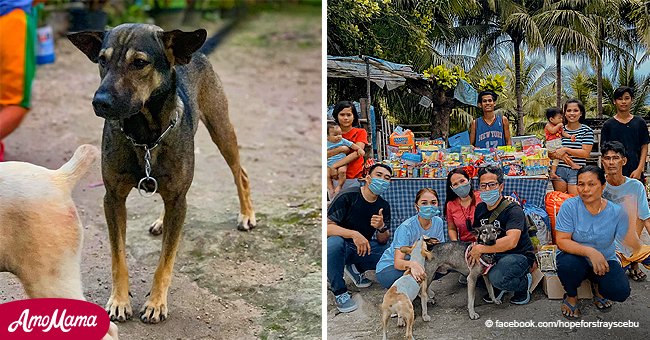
x: 334, y: 140
x: 554, y: 131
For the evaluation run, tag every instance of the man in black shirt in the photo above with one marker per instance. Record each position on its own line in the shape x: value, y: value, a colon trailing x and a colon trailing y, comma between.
x: 354, y: 216
x: 513, y: 249
x: 630, y: 130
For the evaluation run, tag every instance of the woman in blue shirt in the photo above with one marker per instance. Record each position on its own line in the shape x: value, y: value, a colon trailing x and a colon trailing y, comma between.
x: 393, y: 263
x: 588, y: 229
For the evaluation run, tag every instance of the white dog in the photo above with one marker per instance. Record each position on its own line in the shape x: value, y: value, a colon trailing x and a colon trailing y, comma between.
x: 40, y: 231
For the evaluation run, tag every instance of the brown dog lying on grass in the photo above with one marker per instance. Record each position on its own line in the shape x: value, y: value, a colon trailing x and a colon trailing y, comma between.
x: 40, y: 231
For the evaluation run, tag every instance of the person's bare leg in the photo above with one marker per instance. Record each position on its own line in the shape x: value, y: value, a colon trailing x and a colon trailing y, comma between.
x: 572, y: 189
x: 342, y: 170
x: 331, y: 174
x: 567, y: 159
x: 10, y: 118
x: 552, y: 174
x: 559, y: 185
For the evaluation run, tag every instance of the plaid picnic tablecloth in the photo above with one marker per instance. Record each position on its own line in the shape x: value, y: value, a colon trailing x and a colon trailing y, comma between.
x: 401, y: 193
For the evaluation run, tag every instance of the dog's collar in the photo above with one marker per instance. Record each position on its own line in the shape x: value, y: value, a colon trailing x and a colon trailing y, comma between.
x: 157, y: 142
x: 147, y: 179
x: 486, y: 266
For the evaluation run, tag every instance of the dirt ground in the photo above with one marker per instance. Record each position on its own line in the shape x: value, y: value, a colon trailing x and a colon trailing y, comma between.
x: 450, y: 320
x: 227, y: 284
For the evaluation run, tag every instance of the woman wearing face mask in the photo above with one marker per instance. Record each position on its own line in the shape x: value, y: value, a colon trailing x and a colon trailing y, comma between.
x: 427, y: 222
x: 460, y: 206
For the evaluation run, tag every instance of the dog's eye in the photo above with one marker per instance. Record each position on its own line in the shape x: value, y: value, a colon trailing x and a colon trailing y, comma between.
x: 102, y: 61
x: 139, y: 63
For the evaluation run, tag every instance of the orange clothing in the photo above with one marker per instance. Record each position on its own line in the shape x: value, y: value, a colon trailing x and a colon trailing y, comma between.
x: 17, y: 58
x: 459, y: 216
x: 355, y: 135
x: 552, y: 136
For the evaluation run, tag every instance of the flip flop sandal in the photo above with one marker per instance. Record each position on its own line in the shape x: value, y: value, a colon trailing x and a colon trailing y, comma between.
x: 601, y: 304
x: 575, y: 311
x: 637, y: 275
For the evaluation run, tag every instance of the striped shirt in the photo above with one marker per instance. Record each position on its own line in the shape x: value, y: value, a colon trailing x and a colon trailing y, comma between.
x: 584, y: 136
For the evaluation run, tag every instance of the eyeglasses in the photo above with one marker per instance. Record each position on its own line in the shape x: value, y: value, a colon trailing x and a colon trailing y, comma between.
x: 491, y: 186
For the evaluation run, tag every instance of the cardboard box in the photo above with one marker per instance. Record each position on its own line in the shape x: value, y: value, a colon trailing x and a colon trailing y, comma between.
x: 537, y: 278
x: 554, y: 290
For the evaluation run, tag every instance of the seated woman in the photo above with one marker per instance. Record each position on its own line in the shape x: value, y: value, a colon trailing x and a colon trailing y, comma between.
x: 460, y: 206
x: 588, y: 229
x: 393, y: 263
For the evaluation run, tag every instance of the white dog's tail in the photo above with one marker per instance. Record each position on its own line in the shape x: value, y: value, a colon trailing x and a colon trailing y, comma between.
x: 72, y: 171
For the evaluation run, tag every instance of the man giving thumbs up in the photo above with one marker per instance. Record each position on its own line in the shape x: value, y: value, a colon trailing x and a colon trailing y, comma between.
x: 353, y: 218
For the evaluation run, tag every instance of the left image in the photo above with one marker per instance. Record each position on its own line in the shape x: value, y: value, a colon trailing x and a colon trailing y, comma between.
x: 138, y: 171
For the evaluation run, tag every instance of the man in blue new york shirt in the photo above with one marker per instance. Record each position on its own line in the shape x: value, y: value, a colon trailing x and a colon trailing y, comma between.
x: 490, y: 130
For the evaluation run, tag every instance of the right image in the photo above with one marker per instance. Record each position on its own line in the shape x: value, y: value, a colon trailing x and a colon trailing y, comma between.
x: 486, y: 169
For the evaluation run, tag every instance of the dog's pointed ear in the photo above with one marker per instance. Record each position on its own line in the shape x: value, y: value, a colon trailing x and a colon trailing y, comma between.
x: 430, y: 241
x: 89, y: 42
x: 427, y: 253
x: 406, y: 250
x: 183, y: 44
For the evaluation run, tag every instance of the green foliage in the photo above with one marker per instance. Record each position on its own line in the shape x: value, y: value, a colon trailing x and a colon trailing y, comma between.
x: 167, y: 4
x: 131, y: 12
x: 444, y: 77
x: 601, y: 33
x: 493, y: 82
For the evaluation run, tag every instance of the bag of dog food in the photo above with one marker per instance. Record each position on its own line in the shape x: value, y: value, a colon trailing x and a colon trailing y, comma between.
x: 553, y: 202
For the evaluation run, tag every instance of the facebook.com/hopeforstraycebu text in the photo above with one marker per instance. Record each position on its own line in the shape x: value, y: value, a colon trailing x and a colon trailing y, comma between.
x: 561, y: 324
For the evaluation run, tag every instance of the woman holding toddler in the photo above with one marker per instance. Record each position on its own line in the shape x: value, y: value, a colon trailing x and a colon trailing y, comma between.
x: 346, y: 116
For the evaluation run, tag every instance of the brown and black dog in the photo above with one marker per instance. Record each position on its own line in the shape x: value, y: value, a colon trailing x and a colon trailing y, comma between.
x: 154, y: 88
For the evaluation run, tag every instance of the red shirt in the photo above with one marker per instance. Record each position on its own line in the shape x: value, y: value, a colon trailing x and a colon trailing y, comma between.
x: 459, y: 215
x: 356, y: 166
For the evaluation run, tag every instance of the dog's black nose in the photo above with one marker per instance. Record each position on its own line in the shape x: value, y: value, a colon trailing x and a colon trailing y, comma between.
x: 102, y: 102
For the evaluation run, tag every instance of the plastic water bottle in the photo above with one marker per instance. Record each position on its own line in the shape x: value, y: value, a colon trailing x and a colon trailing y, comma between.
x: 45, y: 48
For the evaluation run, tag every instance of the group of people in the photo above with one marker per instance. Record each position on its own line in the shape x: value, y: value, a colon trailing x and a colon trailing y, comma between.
x: 593, y: 230
x: 358, y: 232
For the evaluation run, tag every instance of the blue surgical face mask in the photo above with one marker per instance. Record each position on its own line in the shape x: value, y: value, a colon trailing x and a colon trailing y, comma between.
x: 490, y: 197
x: 378, y: 185
x: 463, y: 190
x: 427, y: 212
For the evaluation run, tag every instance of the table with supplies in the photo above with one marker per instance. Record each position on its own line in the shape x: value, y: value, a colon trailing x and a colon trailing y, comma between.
x: 401, y: 193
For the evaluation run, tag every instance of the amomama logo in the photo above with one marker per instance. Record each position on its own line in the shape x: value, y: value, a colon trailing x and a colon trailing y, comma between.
x: 52, y: 319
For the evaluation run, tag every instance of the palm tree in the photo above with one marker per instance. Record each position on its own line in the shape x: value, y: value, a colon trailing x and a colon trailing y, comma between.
x: 567, y: 31
x: 537, y: 94
x: 625, y: 75
x: 505, y: 23
x: 614, y: 38
x: 582, y: 86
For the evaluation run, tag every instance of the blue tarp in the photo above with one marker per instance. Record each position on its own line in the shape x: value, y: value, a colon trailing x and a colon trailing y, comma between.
x: 465, y: 93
